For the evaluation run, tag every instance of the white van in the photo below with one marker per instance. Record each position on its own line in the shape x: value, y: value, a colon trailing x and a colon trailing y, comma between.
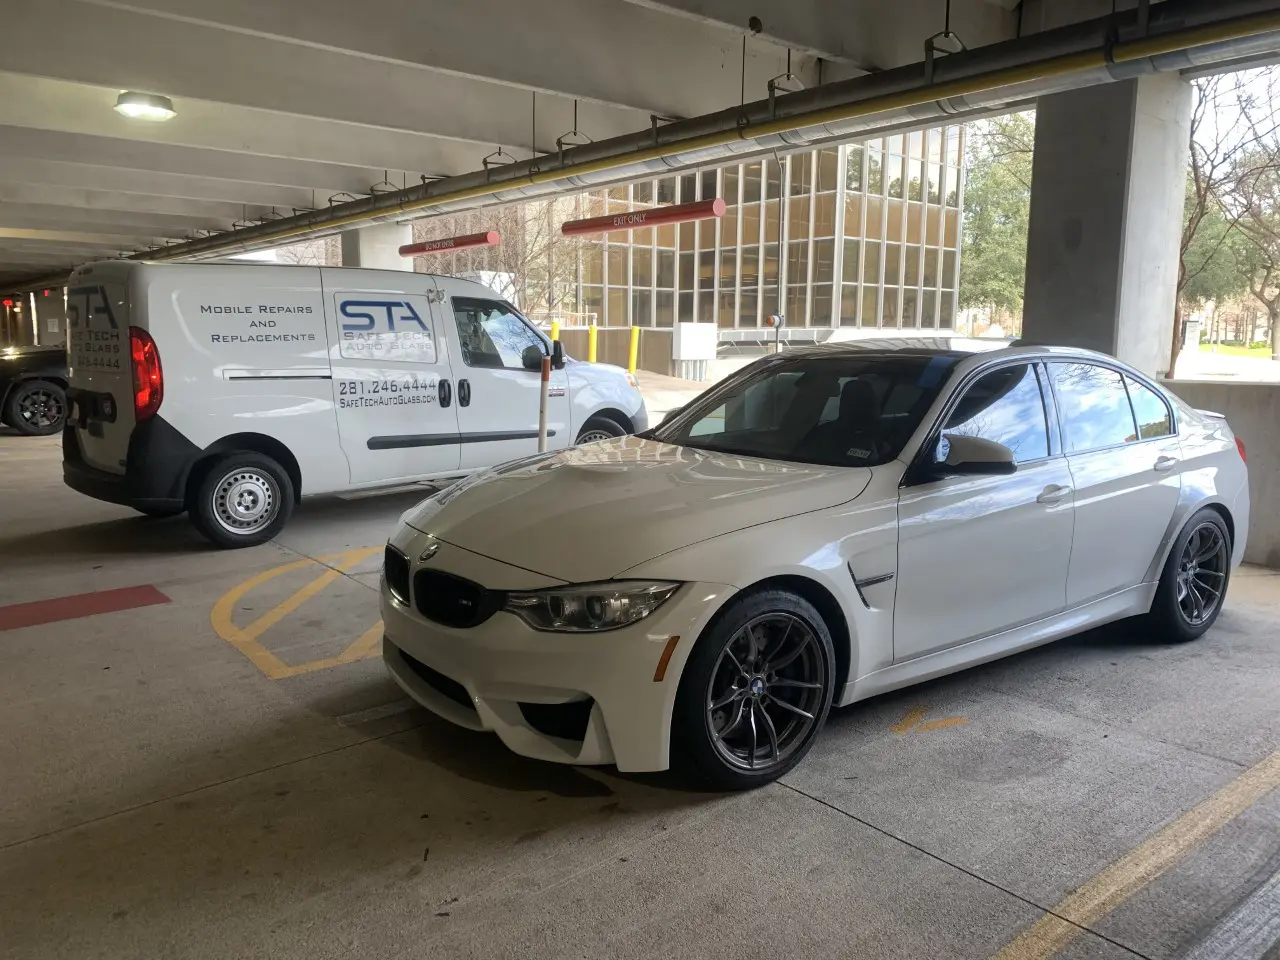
x: 232, y: 390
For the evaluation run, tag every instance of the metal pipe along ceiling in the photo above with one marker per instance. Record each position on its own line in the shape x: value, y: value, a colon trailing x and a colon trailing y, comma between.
x: 1181, y: 35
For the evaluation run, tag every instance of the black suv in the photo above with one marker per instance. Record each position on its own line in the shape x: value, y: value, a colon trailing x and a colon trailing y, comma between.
x: 33, y: 384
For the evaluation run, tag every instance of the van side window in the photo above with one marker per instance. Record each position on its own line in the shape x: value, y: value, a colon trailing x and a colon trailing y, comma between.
x: 492, y: 334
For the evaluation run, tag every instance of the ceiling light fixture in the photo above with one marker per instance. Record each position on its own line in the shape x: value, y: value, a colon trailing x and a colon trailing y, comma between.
x: 145, y: 106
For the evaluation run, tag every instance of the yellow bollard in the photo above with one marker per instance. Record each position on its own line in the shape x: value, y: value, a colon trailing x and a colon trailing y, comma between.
x: 634, y: 355
x: 592, y: 333
x: 555, y: 329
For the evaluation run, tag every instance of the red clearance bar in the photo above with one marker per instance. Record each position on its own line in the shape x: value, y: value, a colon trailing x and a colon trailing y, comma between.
x: 702, y: 210
x: 488, y: 239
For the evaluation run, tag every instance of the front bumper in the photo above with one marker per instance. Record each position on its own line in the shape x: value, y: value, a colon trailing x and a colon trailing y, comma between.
x: 568, y: 698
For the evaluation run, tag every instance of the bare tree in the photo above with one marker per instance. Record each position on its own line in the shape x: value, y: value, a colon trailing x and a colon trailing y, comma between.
x: 324, y: 252
x: 1258, y: 221
x: 541, y: 263
x: 1231, y: 115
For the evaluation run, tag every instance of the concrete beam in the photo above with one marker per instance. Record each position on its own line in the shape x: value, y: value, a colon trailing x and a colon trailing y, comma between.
x: 127, y: 203
x: 871, y: 36
x: 61, y: 146
x: 21, y: 172
x: 150, y: 224
x: 108, y: 241
x: 390, y: 63
x: 40, y: 103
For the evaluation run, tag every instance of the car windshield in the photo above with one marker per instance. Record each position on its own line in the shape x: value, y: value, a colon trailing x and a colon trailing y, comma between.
x: 845, y: 411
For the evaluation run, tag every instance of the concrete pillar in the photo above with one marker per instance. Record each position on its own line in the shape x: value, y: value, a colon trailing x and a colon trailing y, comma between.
x: 377, y: 246
x: 1108, y: 184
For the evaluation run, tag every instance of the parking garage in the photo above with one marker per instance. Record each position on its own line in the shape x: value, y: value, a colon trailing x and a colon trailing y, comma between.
x: 204, y: 754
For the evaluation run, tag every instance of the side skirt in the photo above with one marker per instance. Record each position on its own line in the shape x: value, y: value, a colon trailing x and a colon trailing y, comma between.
x: 1126, y: 603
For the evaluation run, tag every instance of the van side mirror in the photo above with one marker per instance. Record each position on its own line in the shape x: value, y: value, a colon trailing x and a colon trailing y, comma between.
x: 557, y: 355
x: 531, y: 358
x: 957, y: 455
x: 670, y: 415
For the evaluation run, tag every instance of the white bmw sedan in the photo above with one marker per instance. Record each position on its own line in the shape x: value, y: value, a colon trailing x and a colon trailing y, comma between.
x: 823, y: 526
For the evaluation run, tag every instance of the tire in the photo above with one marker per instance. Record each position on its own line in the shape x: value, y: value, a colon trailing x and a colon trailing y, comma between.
x: 600, y: 428
x: 1199, y: 563
x: 261, y: 488
x: 714, y: 746
x: 36, y: 408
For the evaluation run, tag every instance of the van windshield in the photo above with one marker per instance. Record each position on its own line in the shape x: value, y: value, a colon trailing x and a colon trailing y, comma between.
x: 837, y: 411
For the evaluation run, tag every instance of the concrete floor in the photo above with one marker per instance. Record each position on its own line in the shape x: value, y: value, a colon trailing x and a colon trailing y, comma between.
x: 163, y: 797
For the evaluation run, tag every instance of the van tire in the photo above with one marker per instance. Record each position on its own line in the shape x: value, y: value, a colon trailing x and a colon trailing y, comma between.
x: 598, y: 428
x: 36, y: 408
x: 244, y: 499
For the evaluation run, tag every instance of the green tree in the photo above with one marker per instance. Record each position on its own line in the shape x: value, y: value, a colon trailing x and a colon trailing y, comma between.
x: 1210, y: 270
x: 997, y: 208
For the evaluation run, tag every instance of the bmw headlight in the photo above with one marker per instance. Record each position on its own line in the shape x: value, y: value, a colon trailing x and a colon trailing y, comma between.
x: 589, y: 607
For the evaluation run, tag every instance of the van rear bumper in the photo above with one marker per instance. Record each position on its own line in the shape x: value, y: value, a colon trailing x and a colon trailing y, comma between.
x: 155, y: 478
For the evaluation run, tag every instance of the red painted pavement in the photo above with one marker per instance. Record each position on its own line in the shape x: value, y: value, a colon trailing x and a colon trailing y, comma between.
x: 81, y: 605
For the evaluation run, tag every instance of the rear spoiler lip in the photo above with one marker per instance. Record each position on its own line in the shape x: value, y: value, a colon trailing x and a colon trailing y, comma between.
x: 1211, y: 413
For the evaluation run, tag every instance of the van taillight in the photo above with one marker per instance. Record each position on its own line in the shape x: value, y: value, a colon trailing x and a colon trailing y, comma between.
x: 148, y: 378
x: 1240, y: 447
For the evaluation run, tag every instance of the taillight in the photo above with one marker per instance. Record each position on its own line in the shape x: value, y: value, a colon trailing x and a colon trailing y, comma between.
x: 148, y: 378
x: 1240, y: 447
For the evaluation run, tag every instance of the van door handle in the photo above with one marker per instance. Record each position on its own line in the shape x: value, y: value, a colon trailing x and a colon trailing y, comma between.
x: 464, y: 393
x: 444, y: 392
x: 1054, y: 493
x: 1165, y: 464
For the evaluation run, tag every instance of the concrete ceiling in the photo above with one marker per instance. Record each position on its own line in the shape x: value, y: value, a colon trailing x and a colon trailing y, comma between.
x: 285, y: 103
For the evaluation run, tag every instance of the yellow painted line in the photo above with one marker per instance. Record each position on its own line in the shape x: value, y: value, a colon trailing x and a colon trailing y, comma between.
x: 245, y: 639
x: 1120, y: 881
x: 914, y: 722
x: 943, y: 723
x: 364, y: 648
x: 910, y: 720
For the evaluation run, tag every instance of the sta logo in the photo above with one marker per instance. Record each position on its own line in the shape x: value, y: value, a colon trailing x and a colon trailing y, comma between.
x: 369, y: 315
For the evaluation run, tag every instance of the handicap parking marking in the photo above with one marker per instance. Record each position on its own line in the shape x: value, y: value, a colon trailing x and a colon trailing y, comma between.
x: 246, y: 639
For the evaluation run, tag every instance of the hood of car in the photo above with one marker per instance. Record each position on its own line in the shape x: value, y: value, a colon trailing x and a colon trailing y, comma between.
x: 592, y: 512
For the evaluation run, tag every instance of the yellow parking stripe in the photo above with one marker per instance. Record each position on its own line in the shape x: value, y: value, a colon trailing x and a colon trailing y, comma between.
x: 245, y: 639
x: 1139, y: 867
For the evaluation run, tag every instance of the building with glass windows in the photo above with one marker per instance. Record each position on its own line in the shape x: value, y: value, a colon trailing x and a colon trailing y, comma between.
x: 865, y: 236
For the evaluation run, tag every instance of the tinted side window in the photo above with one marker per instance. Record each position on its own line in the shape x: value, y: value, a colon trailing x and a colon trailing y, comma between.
x: 491, y: 333
x: 1005, y: 406
x: 1151, y: 412
x: 1095, y: 407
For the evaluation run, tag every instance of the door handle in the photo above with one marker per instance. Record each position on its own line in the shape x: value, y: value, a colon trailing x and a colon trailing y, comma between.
x: 1165, y: 464
x: 464, y: 393
x: 1054, y: 493
x: 444, y: 392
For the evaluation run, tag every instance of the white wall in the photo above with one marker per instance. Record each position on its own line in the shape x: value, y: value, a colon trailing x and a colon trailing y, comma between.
x: 1253, y: 410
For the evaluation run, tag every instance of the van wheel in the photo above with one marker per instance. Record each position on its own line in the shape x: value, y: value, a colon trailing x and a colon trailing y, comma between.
x: 600, y: 428
x: 36, y: 408
x: 244, y: 499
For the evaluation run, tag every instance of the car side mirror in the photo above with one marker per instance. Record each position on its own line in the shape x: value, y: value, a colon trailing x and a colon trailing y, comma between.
x: 557, y: 355
x: 957, y: 455
x: 531, y: 358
